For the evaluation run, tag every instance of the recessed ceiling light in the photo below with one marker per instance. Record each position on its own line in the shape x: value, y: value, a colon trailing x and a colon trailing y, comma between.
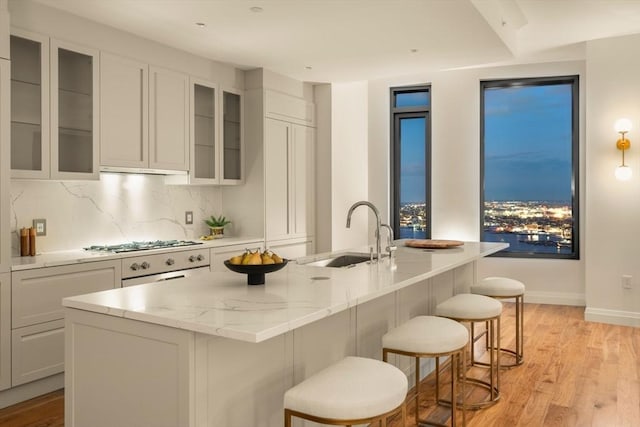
x: 201, y: 24
x: 256, y: 9
x: 413, y: 50
x: 308, y: 67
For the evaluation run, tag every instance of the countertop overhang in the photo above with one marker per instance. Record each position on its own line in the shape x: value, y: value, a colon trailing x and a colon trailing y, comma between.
x: 222, y: 304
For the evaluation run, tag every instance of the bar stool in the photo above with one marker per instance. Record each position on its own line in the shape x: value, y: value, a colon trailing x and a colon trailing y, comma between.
x: 479, y: 308
x: 506, y: 288
x: 430, y: 336
x: 355, y: 390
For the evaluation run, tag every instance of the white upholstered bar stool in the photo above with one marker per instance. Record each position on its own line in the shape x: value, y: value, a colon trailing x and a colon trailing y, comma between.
x: 506, y: 288
x: 478, y: 308
x: 436, y: 337
x: 355, y: 390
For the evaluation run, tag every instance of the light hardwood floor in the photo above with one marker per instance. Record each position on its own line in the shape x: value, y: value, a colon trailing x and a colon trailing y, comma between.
x: 575, y: 374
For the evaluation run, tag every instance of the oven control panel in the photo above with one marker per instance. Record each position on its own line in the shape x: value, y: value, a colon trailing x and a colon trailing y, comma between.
x: 147, y: 264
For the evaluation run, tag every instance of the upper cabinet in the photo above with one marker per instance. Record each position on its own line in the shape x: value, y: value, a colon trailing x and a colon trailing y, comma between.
x: 124, y: 107
x: 232, y: 152
x: 74, y: 107
x: 55, y: 94
x: 168, y: 120
x: 144, y: 116
x: 216, y: 136
x: 29, y: 105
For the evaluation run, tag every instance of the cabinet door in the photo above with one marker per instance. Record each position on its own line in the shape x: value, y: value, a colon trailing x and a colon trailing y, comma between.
x: 301, y: 182
x: 74, y: 111
x: 204, y: 133
x: 37, y: 294
x: 276, y: 179
x: 232, y: 152
x: 37, y: 352
x: 124, y: 106
x: 29, y: 105
x: 168, y: 120
x: 5, y: 164
x: 5, y: 331
x: 221, y: 254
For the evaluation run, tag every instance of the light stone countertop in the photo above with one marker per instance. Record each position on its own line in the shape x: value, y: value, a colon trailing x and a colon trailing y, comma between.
x: 222, y: 304
x: 52, y: 259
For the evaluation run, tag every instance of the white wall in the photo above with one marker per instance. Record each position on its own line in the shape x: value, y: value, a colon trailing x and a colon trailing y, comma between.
x: 613, y: 207
x: 456, y: 170
x: 349, y: 164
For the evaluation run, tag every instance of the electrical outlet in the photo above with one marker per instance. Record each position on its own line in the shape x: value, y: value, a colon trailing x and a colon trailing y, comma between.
x: 626, y: 281
x: 41, y: 226
x: 188, y: 217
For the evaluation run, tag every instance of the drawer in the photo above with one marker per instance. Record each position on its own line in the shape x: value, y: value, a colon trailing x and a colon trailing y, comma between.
x: 36, y: 295
x: 37, y: 352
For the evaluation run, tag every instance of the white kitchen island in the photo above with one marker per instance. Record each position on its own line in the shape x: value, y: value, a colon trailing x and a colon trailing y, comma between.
x: 212, y: 351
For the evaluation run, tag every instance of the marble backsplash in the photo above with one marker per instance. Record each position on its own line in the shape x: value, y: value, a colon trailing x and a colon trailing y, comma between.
x: 118, y: 208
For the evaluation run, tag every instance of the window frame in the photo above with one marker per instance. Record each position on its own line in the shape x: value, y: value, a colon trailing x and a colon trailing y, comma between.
x: 574, y: 80
x: 397, y: 113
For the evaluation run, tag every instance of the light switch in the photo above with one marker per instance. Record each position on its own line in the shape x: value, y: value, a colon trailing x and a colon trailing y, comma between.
x: 188, y: 217
x: 41, y: 226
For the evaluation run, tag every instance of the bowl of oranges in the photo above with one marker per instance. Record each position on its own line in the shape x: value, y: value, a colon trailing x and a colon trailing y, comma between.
x: 255, y: 264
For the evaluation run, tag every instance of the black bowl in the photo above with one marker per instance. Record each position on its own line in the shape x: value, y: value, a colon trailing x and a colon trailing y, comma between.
x: 255, y: 273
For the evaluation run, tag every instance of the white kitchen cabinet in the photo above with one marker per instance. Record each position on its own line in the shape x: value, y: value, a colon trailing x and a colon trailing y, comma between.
x: 124, y: 107
x: 74, y: 111
x: 289, y: 180
x: 5, y: 165
x: 292, y: 248
x: 168, y: 120
x: 287, y: 108
x: 5, y: 331
x: 4, y: 29
x: 29, y: 105
x: 232, y: 146
x: 37, y: 316
x: 54, y: 104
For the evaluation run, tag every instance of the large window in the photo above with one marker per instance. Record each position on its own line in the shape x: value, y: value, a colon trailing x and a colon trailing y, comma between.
x: 529, y: 164
x: 411, y: 161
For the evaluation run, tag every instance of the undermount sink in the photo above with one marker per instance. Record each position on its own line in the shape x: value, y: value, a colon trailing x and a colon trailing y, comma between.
x: 340, y: 260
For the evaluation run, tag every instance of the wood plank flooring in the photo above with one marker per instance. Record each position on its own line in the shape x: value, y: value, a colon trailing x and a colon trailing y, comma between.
x: 575, y: 374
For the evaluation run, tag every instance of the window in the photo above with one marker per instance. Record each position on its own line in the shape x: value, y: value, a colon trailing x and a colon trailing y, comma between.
x: 411, y: 162
x: 529, y: 166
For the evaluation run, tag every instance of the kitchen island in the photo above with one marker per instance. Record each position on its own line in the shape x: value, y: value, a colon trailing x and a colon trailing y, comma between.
x: 212, y: 351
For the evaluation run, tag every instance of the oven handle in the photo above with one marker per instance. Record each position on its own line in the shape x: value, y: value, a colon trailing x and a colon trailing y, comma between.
x: 163, y: 277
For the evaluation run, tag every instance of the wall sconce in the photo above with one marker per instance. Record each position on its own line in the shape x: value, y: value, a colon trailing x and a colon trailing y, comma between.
x: 622, y: 126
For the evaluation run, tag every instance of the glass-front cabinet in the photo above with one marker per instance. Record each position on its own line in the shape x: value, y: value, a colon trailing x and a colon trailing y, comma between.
x: 74, y: 106
x: 54, y: 96
x: 232, y: 151
x: 204, y: 136
x: 29, y: 105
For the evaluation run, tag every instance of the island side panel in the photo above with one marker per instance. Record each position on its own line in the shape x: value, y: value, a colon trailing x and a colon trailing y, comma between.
x: 122, y: 372
x: 239, y: 384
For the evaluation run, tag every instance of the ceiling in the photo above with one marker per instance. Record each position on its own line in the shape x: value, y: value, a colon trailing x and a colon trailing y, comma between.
x: 348, y: 40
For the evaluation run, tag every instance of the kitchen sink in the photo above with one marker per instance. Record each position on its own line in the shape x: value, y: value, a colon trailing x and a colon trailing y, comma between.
x: 340, y: 260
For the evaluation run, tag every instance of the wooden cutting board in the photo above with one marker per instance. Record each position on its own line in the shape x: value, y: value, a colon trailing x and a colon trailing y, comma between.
x: 433, y: 244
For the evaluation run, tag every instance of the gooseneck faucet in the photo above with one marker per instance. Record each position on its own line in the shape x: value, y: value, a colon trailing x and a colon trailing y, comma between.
x: 376, y: 212
x: 390, y: 247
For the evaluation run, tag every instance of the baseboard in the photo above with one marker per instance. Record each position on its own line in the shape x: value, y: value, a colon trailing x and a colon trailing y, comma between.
x: 613, y: 317
x: 30, y: 390
x: 555, y: 298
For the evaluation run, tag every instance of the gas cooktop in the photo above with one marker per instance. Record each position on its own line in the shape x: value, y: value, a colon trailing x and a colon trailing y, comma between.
x: 141, y: 246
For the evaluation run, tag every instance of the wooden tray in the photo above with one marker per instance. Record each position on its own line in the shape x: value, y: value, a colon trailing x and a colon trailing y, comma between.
x: 433, y: 244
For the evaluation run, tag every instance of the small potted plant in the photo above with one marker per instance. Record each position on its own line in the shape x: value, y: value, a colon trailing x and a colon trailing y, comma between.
x: 216, y: 224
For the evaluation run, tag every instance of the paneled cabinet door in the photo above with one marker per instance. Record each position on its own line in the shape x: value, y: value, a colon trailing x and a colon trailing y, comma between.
x: 276, y: 179
x: 75, y: 125
x: 168, y: 120
x: 29, y: 105
x: 289, y: 180
x: 124, y: 107
x: 5, y: 331
x: 203, y: 119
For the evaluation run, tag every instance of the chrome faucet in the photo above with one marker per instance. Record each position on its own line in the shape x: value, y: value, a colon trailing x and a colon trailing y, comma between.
x: 376, y: 212
x: 390, y: 247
